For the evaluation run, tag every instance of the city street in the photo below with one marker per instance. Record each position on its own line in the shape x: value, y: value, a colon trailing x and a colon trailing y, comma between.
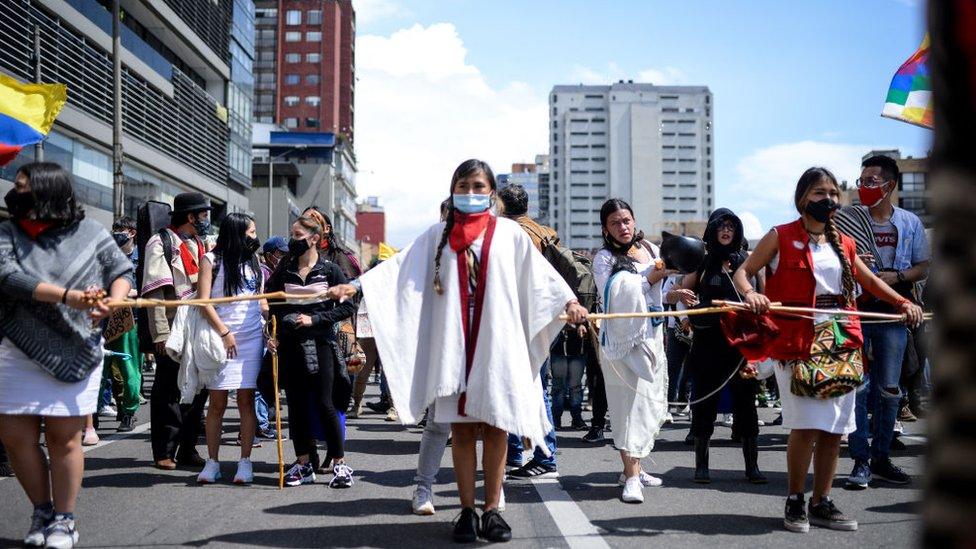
x: 127, y: 503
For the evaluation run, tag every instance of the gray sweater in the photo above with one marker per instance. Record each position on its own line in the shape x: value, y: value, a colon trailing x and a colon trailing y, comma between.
x: 60, y: 339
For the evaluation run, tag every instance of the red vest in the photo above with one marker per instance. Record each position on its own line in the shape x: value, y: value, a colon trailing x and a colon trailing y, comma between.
x: 793, y: 285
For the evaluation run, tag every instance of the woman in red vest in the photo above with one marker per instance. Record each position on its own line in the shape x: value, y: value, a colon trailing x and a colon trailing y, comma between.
x: 812, y: 265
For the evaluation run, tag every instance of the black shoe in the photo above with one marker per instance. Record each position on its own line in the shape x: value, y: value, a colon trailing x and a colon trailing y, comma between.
x: 6, y: 470
x: 778, y: 420
x: 690, y: 439
x: 578, y: 425
x: 795, y: 518
x: 885, y: 470
x: 533, y: 469
x: 466, y: 526
x: 126, y: 423
x: 379, y: 407
x: 826, y: 515
x: 701, y: 461
x: 190, y: 460
x: 750, y: 453
x: 897, y: 445
x: 594, y: 436
x: 493, y: 527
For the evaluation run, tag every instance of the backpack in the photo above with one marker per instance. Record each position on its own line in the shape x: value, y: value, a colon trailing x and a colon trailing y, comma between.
x: 152, y: 217
x: 575, y: 268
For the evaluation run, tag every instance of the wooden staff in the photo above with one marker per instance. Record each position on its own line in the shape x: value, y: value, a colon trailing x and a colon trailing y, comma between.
x: 656, y: 314
x: 277, y: 398
x: 143, y: 302
x: 779, y: 308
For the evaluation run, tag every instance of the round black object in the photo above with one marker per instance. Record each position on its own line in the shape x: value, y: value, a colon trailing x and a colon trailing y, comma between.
x: 683, y: 253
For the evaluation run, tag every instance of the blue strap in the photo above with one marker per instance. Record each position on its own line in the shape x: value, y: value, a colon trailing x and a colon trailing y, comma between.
x: 606, y: 305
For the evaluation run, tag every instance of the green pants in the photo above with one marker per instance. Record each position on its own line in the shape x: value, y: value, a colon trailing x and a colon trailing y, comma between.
x: 125, y: 375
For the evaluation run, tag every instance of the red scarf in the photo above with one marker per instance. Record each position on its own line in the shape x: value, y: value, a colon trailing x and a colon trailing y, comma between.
x: 467, y: 228
x: 34, y: 227
x: 191, y: 265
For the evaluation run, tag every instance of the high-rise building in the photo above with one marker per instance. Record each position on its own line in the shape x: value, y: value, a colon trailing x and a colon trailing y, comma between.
x: 649, y: 145
x: 370, y: 228
x: 305, y: 65
x: 525, y: 175
x: 542, y: 169
x: 186, y: 95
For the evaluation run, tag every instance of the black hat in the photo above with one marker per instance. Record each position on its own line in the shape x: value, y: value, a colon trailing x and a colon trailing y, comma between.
x: 185, y: 203
x: 683, y: 253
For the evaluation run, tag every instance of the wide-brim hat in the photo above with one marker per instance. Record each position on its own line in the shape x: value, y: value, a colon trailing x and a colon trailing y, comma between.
x: 185, y: 203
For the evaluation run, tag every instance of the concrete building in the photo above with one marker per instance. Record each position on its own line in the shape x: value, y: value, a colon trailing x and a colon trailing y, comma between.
x: 305, y: 68
x: 649, y: 145
x: 542, y: 169
x: 186, y: 95
x: 912, y: 192
x: 525, y: 175
x: 310, y: 169
x: 370, y: 228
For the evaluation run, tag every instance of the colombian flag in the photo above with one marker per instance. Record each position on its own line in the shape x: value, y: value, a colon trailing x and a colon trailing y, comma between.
x: 27, y: 112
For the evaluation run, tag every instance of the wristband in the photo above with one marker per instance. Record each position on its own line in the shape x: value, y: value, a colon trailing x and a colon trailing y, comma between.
x: 225, y: 334
x: 64, y: 297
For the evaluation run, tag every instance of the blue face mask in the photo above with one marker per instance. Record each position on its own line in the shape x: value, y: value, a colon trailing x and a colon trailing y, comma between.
x: 471, y: 203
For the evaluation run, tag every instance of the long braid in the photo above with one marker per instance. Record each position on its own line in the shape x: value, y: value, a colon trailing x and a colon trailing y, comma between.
x: 448, y: 225
x: 830, y: 231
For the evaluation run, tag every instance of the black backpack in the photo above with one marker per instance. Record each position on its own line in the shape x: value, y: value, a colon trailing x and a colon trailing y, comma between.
x: 153, y: 217
x: 575, y: 268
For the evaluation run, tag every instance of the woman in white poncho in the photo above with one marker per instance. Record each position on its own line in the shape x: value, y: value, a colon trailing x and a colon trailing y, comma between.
x: 629, y: 272
x: 463, y: 318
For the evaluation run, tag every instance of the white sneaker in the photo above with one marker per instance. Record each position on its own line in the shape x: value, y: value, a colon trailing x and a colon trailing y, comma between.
x: 342, y: 476
x: 646, y: 479
x: 108, y: 411
x: 669, y: 418
x: 245, y: 472
x: 761, y: 423
x: 899, y: 428
x: 61, y: 534
x: 423, y: 500
x: 210, y: 473
x: 90, y: 438
x: 39, y: 522
x: 501, y: 500
x: 727, y: 420
x: 633, y: 491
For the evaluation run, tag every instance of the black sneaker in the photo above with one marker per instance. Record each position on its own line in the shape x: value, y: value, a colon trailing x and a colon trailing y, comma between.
x: 885, y: 470
x: 778, y: 420
x: 379, y: 407
x: 795, y: 518
x: 897, y: 445
x: 826, y: 515
x: 300, y: 474
x: 6, y: 470
x: 532, y: 469
x: 494, y: 528
x: 594, y: 435
x: 126, y: 423
x: 578, y: 425
x: 466, y: 526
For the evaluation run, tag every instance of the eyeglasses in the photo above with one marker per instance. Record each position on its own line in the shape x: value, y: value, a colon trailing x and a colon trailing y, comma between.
x: 873, y: 181
x: 727, y: 226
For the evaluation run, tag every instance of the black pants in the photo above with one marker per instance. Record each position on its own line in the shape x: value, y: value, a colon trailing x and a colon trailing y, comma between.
x: 308, y: 394
x: 596, y: 387
x: 175, y: 427
x: 678, y: 378
x: 710, y: 362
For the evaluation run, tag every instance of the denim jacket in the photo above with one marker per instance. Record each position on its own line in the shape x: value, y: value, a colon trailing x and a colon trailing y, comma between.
x: 913, y: 245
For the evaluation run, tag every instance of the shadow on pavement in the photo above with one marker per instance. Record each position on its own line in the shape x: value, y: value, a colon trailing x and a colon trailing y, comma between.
x: 708, y: 525
x: 418, y: 534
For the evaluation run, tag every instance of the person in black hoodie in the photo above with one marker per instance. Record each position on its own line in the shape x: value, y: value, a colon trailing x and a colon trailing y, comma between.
x: 313, y: 377
x: 712, y: 359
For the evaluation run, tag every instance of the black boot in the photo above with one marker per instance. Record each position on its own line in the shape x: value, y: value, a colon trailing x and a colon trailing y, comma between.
x: 750, y: 453
x: 701, y: 461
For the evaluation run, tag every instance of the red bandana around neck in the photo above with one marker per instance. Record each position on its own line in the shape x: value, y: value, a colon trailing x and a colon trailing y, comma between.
x: 467, y: 228
x: 34, y: 227
x: 191, y: 265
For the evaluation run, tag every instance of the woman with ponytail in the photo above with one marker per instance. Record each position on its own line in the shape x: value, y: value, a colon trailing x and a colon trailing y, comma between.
x: 463, y: 320
x: 812, y: 264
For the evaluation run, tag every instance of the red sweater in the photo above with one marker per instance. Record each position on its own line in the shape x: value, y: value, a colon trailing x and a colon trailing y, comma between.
x: 793, y: 285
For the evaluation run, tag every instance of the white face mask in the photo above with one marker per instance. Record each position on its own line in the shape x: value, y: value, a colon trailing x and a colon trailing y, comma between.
x: 471, y: 203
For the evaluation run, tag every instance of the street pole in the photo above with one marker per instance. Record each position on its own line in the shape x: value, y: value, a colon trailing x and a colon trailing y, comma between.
x: 39, y: 147
x: 270, y: 192
x: 118, y: 194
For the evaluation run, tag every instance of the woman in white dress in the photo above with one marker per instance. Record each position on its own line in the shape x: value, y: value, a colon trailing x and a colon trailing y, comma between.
x: 812, y: 265
x: 232, y: 269
x: 51, y: 354
x: 629, y: 272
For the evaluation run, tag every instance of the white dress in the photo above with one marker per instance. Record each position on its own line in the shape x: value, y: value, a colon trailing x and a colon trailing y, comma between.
x: 26, y: 389
x: 833, y: 415
x: 244, y: 320
x: 636, y: 383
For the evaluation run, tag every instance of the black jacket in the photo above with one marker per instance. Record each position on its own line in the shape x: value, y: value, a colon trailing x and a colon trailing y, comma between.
x: 324, y: 314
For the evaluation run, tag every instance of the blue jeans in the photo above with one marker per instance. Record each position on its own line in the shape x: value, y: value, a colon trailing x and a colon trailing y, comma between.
x: 515, y: 442
x: 567, y: 385
x: 264, y: 412
x: 886, y: 346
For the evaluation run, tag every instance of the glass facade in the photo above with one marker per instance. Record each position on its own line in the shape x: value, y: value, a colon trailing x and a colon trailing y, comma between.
x: 240, y: 92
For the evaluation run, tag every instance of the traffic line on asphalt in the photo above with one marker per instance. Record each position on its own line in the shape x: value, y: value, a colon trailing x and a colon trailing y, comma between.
x: 572, y: 522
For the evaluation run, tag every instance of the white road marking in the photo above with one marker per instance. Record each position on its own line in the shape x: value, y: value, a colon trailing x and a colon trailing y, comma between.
x: 572, y: 522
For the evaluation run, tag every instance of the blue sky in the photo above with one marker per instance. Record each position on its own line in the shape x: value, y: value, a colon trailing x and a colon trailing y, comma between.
x: 794, y: 84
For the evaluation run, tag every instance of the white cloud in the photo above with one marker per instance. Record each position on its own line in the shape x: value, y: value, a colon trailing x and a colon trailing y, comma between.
x: 751, y: 225
x: 613, y: 73
x: 422, y: 109
x: 369, y: 11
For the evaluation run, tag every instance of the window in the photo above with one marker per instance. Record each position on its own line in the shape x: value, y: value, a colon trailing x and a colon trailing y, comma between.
x: 313, y: 36
x: 312, y: 79
x: 291, y: 100
x: 291, y: 122
x: 293, y: 58
x: 315, y: 17
x: 590, y: 96
x: 555, y: 124
x: 555, y: 138
x: 313, y: 57
x: 293, y: 37
x: 293, y: 17
x: 292, y: 79
x: 313, y: 100
x: 311, y: 122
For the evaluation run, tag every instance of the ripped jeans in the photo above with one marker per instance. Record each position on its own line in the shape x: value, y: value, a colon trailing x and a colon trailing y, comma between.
x: 885, y: 344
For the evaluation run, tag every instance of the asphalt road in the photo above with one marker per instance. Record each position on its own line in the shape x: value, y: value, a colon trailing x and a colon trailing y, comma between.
x: 127, y: 503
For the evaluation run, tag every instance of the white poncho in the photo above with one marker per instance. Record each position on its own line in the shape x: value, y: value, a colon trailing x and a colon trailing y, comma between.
x: 420, y: 337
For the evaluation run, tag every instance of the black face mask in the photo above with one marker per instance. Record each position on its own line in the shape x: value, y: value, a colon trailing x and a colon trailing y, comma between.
x: 298, y: 247
x: 252, y: 245
x: 121, y: 238
x: 19, y: 204
x: 822, y: 210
